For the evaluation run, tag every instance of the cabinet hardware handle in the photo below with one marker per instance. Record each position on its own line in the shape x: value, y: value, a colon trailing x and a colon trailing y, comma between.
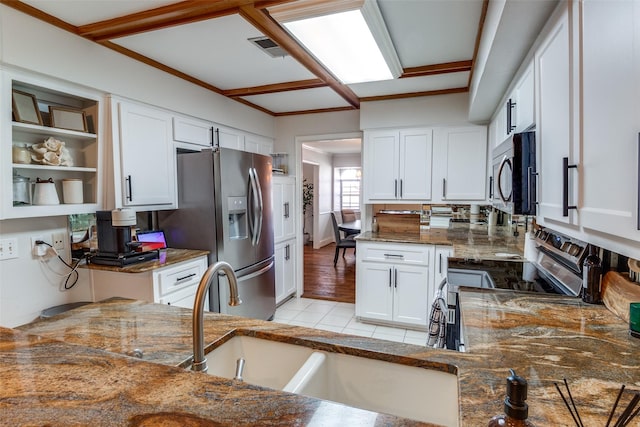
x: 286, y: 210
x: 444, y: 188
x: 394, y: 256
x: 395, y: 278
x: 565, y: 186
x: 440, y: 264
x: 638, y: 207
x: 510, y: 126
x: 401, y: 191
x: 130, y: 195
x: 531, y: 185
x: 217, y: 137
x: 389, y: 278
x: 287, y: 254
x: 490, y: 187
x: 212, y: 136
x: 395, y: 188
x: 188, y: 276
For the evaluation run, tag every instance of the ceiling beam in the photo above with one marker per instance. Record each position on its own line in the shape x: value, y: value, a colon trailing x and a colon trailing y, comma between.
x: 181, y: 13
x: 275, y: 88
x: 269, y: 27
x: 430, y: 70
x: 38, y: 14
x: 319, y: 110
x: 483, y: 17
x: 415, y: 94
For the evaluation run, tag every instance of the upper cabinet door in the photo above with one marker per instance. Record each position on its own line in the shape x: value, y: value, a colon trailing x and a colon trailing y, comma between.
x: 228, y: 138
x: 382, y: 151
x: 146, y: 155
x: 558, y: 187
x: 524, y: 109
x: 416, y: 153
x: 462, y: 157
x: 192, y: 131
x: 611, y: 125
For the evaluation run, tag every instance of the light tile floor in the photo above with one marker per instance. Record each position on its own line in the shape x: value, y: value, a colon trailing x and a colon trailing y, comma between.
x: 340, y: 317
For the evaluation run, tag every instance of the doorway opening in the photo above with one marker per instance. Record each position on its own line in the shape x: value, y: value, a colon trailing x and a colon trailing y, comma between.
x: 331, y: 165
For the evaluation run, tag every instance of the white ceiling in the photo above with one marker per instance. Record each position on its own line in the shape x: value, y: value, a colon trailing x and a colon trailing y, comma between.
x: 213, y: 48
x: 337, y: 146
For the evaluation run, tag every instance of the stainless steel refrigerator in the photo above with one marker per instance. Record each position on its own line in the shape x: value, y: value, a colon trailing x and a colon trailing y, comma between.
x: 224, y: 206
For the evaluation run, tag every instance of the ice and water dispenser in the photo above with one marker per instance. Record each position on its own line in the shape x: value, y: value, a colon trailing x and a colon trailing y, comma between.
x: 237, y: 207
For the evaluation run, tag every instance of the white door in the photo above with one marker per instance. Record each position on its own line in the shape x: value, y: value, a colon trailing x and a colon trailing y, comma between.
x: 192, y: 131
x: 288, y: 206
x: 463, y: 154
x: 611, y: 105
x: 411, y: 294
x: 290, y: 268
x: 554, y: 125
x: 416, y: 153
x: 382, y: 151
x: 525, y: 112
x: 146, y: 150
x: 374, y: 291
x: 279, y: 255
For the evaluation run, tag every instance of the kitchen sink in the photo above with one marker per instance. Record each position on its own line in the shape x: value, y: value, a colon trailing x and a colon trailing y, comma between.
x: 405, y: 391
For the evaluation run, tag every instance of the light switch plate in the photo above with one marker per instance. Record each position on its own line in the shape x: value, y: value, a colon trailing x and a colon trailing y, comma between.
x: 8, y: 248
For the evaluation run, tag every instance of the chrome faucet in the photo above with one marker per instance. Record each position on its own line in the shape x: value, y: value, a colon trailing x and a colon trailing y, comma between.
x: 199, y: 361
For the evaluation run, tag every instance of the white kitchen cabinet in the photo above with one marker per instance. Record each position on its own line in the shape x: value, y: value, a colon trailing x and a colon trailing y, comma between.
x: 226, y: 137
x: 398, y: 165
x: 284, y: 211
x: 80, y: 159
x: 175, y: 284
x: 440, y: 265
x: 144, y: 159
x: 460, y: 159
x: 553, y: 71
x: 393, y: 283
x: 611, y: 125
x: 192, y: 131
x: 285, y: 269
x: 524, y: 115
x: 258, y: 144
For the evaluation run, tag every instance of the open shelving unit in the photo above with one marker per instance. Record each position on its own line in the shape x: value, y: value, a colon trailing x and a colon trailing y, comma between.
x: 82, y: 146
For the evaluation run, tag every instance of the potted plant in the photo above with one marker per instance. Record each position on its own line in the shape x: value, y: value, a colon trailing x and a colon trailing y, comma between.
x: 307, y: 203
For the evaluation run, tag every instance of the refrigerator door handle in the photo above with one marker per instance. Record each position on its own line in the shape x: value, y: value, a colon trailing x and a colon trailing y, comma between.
x: 256, y: 207
x: 256, y: 273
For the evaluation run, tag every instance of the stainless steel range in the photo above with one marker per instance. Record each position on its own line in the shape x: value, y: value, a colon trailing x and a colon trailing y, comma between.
x: 557, y: 269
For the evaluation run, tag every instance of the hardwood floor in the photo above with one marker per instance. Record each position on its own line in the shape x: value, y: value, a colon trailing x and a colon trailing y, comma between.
x: 324, y: 281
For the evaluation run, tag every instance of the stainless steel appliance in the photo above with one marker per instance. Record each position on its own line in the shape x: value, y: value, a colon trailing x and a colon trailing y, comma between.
x: 224, y: 207
x: 556, y: 270
x: 513, y: 183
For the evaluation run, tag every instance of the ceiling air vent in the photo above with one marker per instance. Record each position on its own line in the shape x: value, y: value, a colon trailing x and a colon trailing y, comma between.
x: 270, y: 47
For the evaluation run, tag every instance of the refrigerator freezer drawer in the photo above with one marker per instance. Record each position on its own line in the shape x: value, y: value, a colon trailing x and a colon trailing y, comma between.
x: 256, y: 287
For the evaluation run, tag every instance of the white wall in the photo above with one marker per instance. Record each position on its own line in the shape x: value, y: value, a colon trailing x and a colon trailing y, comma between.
x: 424, y: 111
x: 26, y: 285
x: 30, y: 44
x: 322, y: 227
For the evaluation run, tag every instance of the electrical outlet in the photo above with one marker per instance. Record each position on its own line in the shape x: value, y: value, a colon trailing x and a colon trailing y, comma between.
x: 8, y: 248
x: 58, y: 241
x: 38, y: 250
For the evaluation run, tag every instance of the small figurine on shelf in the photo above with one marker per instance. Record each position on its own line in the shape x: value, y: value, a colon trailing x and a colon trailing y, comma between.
x: 51, y: 152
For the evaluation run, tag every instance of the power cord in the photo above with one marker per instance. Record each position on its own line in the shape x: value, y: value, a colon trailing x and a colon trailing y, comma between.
x: 74, y: 268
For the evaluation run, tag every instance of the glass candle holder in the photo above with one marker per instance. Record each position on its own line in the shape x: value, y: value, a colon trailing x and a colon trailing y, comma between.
x: 634, y: 319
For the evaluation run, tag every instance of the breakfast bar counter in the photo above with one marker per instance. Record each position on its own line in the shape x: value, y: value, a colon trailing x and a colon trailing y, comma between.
x: 544, y: 338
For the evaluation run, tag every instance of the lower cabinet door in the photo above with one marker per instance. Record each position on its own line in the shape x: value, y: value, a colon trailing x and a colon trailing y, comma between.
x: 285, y: 253
x: 183, y: 298
x: 411, y: 294
x: 374, y: 291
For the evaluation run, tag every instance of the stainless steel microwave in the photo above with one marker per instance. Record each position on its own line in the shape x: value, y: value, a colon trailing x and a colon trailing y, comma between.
x: 513, y: 183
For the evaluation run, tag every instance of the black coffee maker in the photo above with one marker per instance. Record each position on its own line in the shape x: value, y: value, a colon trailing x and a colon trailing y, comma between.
x: 115, y: 242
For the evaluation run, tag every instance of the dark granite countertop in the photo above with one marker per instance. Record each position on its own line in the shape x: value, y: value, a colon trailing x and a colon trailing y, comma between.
x: 469, y: 241
x: 544, y: 338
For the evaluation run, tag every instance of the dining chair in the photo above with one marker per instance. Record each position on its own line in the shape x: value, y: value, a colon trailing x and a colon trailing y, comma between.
x: 341, y: 243
x: 349, y: 215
